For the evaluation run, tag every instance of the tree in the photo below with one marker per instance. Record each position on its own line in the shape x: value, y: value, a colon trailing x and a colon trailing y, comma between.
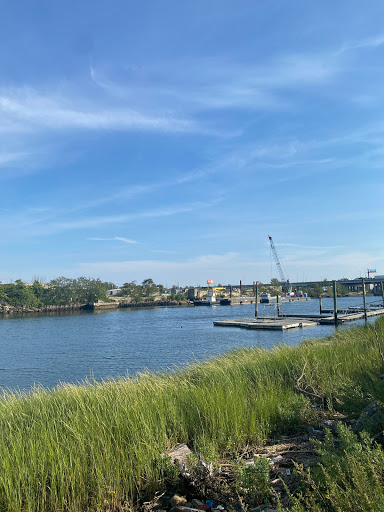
x: 83, y: 290
x: 132, y: 290
x: 149, y: 287
x: 3, y: 295
x: 109, y: 286
x: 341, y: 289
x: 275, y: 287
x: 18, y: 294
x: 38, y: 289
x: 327, y: 286
x: 89, y: 290
x: 315, y: 290
x: 61, y: 291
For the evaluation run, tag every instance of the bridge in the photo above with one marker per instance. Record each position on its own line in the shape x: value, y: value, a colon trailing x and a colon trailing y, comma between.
x: 374, y: 284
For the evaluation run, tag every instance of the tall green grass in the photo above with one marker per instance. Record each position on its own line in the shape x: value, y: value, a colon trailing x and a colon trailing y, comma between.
x: 84, y: 447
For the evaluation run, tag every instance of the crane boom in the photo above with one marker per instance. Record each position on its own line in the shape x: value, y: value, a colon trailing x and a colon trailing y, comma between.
x: 283, y: 280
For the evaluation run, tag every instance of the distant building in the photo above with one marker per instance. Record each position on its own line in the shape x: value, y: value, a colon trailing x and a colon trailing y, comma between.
x: 113, y: 292
x: 176, y: 291
x: 193, y: 293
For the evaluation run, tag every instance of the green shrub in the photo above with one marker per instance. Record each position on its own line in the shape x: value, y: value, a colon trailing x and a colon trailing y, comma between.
x: 252, y: 480
x: 349, y: 477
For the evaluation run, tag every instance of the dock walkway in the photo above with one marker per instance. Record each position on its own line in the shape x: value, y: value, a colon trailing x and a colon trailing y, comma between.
x: 283, y: 322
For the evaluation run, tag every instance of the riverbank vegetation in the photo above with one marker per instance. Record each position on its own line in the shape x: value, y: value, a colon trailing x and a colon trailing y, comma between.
x: 316, y: 290
x: 149, y: 291
x: 64, y: 291
x: 59, y: 292
x: 97, y: 446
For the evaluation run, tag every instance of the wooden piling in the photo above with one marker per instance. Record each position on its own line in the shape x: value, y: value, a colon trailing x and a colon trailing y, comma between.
x: 335, y: 302
x: 382, y: 291
x: 320, y: 304
x: 364, y: 299
x: 256, y: 299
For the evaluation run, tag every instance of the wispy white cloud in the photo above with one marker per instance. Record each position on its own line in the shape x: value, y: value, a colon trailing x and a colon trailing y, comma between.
x: 349, y: 216
x: 9, y: 158
x: 310, y: 246
x: 46, y: 223
x: 213, y: 82
x: 25, y: 110
x: 302, y: 156
x: 118, y: 238
x: 171, y: 102
x: 220, y: 267
x: 160, y: 251
x: 368, y: 42
x: 109, y: 86
x: 344, y: 263
x: 123, y: 193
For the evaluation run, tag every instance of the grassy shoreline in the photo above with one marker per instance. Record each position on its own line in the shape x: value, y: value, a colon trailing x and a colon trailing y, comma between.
x: 87, y: 447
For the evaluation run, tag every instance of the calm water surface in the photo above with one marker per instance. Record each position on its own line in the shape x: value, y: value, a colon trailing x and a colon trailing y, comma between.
x: 49, y: 349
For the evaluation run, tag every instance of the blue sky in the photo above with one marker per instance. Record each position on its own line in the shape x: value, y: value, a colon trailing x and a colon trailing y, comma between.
x: 169, y: 139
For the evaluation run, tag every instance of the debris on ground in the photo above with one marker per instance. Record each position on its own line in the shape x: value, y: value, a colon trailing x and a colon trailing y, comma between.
x: 204, y: 486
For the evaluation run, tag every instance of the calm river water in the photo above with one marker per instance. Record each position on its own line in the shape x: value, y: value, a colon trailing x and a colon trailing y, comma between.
x: 49, y: 349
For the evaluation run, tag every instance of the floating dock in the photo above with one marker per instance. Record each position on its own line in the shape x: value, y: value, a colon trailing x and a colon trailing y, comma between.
x: 283, y: 322
x: 235, y: 301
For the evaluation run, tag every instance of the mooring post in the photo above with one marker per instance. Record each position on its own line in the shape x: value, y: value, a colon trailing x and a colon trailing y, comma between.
x: 320, y: 305
x: 335, y: 302
x: 278, y: 304
x: 364, y: 299
x: 241, y: 289
x: 256, y: 299
x: 230, y: 292
x: 382, y: 291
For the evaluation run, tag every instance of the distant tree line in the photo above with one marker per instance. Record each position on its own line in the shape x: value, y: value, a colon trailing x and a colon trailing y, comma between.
x: 146, y: 291
x: 64, y: 291
x: 317, y: 290
x: 60, y: 291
